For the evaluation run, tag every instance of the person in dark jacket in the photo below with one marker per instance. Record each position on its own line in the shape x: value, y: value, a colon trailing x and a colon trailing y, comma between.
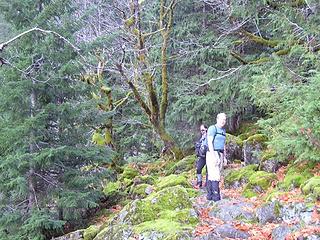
x: 201, y: 150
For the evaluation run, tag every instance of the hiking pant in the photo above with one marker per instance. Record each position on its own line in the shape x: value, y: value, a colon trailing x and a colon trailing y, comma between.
x: 200, y: 164
x: 213, y: 191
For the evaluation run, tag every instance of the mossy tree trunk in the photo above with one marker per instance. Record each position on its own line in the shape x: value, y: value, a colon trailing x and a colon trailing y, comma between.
x: 153, y: 104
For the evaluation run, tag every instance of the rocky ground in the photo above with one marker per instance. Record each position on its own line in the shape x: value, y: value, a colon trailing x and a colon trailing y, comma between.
x: 170, y: 207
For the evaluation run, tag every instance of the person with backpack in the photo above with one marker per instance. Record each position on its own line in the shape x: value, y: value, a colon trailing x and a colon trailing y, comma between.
x: 215, y: 156
x: 201, y: 151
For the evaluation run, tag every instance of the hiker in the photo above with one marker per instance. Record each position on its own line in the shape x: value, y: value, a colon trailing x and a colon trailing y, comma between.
x: 215, y: 157
x: 201, y: 151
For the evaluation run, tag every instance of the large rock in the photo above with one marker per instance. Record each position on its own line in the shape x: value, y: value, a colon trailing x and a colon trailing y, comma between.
x: 228, y: 231
x: 227, y: 211
x: 280, y: 233
x: 252, y: 147
x: 166, y: 214
x: 268, y: 213
x: 234, y: 148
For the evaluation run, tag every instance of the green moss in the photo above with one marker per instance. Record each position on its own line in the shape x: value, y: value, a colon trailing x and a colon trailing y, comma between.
x: 129, y: 173
x: 139, y: 190
x: 249, y: 193
x: 296, y: 176
x: 192, y: 192
x: 312, y: 186
x: 148, y: 209
x: 234, y: 139
x: 161, y: 225
x: 144, y: 179
x: 183, y: 165
x: 183, y: 216
x: 112, y: 188
x: 259, y: 181
x: 268, y: 154
x: 126, y: 182
x: 257, y: 138
x: 172, y: 180
x: 241, y: 175
x: 262, y: 179
x: 90, y: 232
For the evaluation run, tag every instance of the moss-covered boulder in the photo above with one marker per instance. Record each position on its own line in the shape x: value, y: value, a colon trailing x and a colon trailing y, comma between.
x: 144, y: 179
x: 296, y: 176
x: 140, y: 191
x: 148, y: 209
x: 312, y: 187
x: 172, y: 180
x: 258, y: 183
x: 252, y: 148
x: 121, y: 232
x: 166, y: 214
x: 90, y: 232
x: 164, y: 229
x: 237, y: 178
x: 183, y: 165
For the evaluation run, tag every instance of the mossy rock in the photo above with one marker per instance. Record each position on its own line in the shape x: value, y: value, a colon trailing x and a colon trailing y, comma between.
x: 112, y: 188
x: 183, y: 216
x: 236, y: 178
x: 129, y: 173
x: 312, y: 187
x: 172, y: 180
x: 164, y: 229
x: 90, y: 232
x: 296, y: 176
x: 257, y: 138
x: 139, y: 190
x: 144, y: 179
x: 259, y: 182
x: 126, y: 183
x: 119, y: 231
x: 183, y: 165
x: 148, y: 209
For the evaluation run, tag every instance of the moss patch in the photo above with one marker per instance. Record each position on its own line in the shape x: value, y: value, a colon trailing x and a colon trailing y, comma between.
x: 162, y: 225
x: 257, y: 138
x: 139, y: 190
x: 112, y: 188
x: 183, y: 165
x: 242, y: 175
x: 268, y: 154
x: 148, y: 209
x: 259, y: 182
x: 312, y: 186
x: 129, y: 173
x: 90, y: 232
x: 234, y: 140
x: 296, y: 176
x: 172, y: 180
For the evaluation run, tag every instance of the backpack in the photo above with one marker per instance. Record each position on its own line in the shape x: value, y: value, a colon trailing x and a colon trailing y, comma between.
x: 201, y: 148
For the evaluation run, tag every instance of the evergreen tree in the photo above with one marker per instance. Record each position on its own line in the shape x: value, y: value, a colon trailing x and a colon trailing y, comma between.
x: 51, y: 173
